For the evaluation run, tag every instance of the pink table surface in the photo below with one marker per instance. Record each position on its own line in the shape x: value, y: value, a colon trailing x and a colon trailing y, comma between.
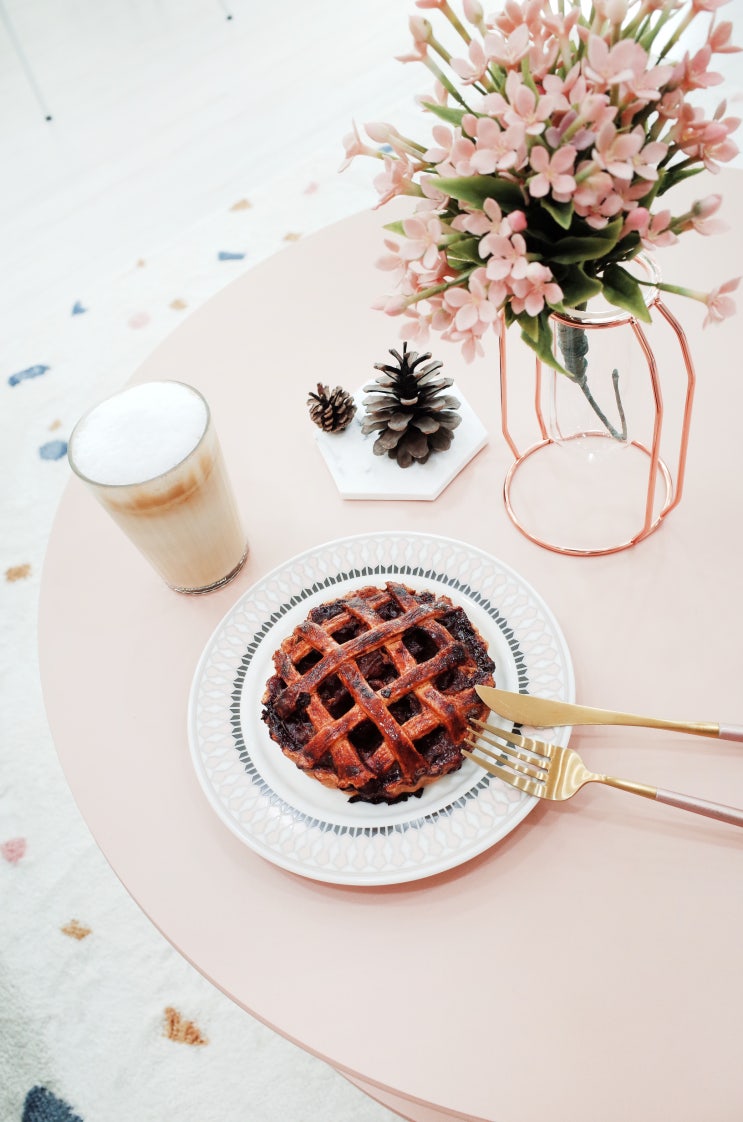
x: 589, y: 966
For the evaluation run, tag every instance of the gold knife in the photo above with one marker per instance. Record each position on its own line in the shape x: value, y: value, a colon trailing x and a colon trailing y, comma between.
x: 540, y: 712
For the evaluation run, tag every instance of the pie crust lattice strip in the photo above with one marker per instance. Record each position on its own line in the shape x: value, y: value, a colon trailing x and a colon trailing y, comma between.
x: 373, y: 691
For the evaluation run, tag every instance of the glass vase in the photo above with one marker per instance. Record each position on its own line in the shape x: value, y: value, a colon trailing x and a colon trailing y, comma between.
x: 596, y: 480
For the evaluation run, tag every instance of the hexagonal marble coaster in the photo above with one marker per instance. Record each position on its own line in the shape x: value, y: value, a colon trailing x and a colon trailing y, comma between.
x: 359, y: 474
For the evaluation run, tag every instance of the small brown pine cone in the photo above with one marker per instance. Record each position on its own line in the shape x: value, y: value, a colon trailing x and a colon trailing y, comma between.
x: 331, y: 411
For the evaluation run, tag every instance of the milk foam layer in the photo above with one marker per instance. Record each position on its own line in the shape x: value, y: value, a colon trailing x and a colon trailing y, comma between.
x: 139, y: 434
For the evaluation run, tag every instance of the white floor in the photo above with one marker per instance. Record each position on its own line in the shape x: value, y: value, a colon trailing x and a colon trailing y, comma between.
x: 163, y: 111
x: 168, y: 119
x: 176, y: 132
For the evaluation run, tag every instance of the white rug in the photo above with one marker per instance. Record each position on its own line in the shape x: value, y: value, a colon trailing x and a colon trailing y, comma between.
x: 100, y: 1020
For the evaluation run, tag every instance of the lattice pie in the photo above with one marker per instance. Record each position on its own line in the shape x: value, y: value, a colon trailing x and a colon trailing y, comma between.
x: 372, y: 693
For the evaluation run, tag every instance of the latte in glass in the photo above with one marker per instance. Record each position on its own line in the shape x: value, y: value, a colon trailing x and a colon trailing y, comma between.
x: 151, y: 457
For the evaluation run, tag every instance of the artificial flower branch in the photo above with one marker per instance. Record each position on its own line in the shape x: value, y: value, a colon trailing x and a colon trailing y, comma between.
x: 555, y: 136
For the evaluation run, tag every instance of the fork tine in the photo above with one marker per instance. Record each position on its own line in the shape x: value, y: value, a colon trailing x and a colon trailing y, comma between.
x: 516, y: 747
x: 508, y: 756
x: 521, y: 782
x: 531, y: 744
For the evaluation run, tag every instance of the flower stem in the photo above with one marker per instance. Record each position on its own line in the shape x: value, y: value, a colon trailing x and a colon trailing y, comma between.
x: 613, y: 432
x: 573, y: 342
x: 445, y: 82
x: 455, y: 22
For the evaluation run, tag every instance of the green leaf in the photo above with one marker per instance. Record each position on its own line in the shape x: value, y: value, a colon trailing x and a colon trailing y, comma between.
x: 465, y: 249
x: 573, y: 250
x: 446, y: 112
x: 628, y: 247
x: 670, y: 178
x: 621, y: 289
x: 537, y: 334
x: 561, y: 212
x: 395, y: 228
x: 529, y: 326
x: 577, y: 287
x: 475, y: 189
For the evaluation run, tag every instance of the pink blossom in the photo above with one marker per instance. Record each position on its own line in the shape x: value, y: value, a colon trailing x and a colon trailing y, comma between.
x: 392, y: 262
x: 420, y: 29
x: 423, y: 235
x: 517, y: 221
x: 391, y: 305
x: 495, y: 105
x: 470, y: 339
x: 382, y: 133
x: 608, y: 66
x: 612, y: 10
x: 534, y: 290
x: 700, y: 216
x: 434, y: 197
x: 454, y: 154
x: 417, y: 326
x: 596, y: 198
x: 471, y: 305
x: 692, y: 73
x: 637, y: 221
x: 719, y: 39
x: 506, y: 256
x: 645, y: 163
x: 715, y: 146
x: 396, y: 178
x: 654, y: 229
x: 445, y: 139
x: 542, y: 57
x: 553, y: 173
x: 560, y: 26
x: 473, y: 68
x: 556, y: 87
x: 581, y: 138
x: 486, y: 221
x: 496, y: 148
x: 719, y: 303
x: 355, y: 146
x: 706, y: 5
x: 508, y: 50
x: 646, y: 85
x: 615, y: 151
x: 473, y: 12
x: 525, y: 107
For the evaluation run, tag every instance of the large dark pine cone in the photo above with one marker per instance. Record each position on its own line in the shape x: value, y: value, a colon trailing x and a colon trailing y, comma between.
x: 408, y: 410
x: 331, y: 412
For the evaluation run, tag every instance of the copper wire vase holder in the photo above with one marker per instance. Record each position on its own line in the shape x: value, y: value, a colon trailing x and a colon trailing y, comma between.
x: 657, y: 467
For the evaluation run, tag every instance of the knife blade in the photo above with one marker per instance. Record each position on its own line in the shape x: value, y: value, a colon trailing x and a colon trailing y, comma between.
x: 541, y: 712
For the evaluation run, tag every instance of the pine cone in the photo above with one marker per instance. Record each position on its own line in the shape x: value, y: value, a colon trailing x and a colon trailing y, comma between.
x: 408, y: 410
x: 332, y: 412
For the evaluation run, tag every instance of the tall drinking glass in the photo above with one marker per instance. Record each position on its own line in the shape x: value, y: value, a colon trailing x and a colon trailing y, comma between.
x: 151, y: 457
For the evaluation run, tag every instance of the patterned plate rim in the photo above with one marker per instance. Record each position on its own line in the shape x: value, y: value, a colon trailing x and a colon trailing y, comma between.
x: 433, y: 842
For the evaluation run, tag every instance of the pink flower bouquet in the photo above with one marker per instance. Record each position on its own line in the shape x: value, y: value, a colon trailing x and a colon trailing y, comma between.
x: 558, y: 133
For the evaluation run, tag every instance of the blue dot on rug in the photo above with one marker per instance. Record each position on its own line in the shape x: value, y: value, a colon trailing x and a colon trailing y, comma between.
x: 53, y: 450
x: 78, y: 309
x: 42, y: 1106
x: 223, y: 255
x: 29, y: 372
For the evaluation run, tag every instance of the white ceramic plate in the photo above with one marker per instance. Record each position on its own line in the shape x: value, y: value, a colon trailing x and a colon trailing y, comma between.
x: 291, y: 819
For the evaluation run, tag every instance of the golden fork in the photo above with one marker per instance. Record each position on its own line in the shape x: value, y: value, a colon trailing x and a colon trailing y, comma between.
x: 549, y: 771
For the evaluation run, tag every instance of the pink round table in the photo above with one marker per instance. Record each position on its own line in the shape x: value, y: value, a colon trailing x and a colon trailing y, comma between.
x: 586, y: 967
